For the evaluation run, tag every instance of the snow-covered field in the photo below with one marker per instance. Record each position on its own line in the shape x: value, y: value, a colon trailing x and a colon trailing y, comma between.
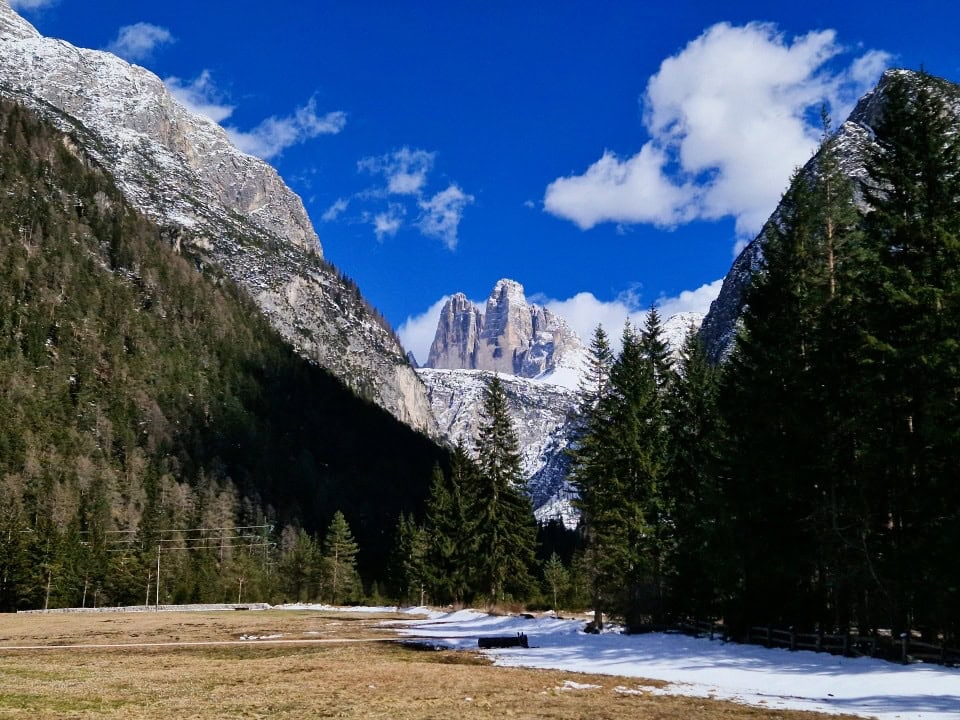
x: 749, y: 674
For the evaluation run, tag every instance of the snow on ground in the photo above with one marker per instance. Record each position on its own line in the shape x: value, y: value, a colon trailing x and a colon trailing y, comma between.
x: 749, y: 674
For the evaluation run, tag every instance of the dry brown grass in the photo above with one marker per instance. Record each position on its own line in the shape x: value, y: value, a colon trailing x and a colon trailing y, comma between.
x: 365, y: 680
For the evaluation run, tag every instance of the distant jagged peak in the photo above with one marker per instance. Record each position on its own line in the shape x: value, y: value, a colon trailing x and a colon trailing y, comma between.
x: 510, y: 335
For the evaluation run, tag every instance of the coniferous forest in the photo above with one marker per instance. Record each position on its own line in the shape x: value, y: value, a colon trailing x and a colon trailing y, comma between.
x: 809, y: 481
x: 147, y: 408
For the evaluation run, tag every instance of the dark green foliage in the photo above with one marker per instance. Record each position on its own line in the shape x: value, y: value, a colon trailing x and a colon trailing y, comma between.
x: 341, y: 581
x: 505, y: 528
x: 812, y: 481
x: 451, y: 531
x: 139, y: 395
x: 410, y: 563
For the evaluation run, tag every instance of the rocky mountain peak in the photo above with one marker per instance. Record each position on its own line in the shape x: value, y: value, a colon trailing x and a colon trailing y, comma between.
x: 511, y: 335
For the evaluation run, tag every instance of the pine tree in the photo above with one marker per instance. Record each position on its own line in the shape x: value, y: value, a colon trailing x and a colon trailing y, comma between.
x: 599, y: 492
x: 410, y: 559
x: 340, y: 551
x: 451, y: 562
x: 556, y: 577
x: 912, y: 444
x: 692, y: 485
x: 506, y: 530
x: 783, y: 408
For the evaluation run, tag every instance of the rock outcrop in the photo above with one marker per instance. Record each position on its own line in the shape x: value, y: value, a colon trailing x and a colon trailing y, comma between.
x: 511, y: 336
x: 216, y: 204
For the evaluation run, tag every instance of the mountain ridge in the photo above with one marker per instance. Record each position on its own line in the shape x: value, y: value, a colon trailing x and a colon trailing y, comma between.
x: 215, y: 204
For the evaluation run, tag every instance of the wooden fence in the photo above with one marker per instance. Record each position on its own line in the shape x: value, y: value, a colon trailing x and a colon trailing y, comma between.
x: 905, y: 649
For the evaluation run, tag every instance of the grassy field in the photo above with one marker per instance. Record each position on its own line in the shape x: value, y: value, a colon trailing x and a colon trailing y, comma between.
x: 375, y: 678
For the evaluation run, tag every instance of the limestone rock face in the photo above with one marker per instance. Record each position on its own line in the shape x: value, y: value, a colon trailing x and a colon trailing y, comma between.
x: 511, y: 336
x: 215, y: 203
x: 458, y: 333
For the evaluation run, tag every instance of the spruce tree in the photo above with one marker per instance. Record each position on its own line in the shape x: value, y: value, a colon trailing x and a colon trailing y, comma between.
x: 505, y: 529
x: 599, y: 491
x: 912, y: 443
x: 702, y: 547
x: 339, y: 553
x: 452, y: 558
x: 410, y: 560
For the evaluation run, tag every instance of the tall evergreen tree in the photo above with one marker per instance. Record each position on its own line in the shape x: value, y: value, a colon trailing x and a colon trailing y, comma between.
x: 505, y: 530
x: 339, y: 554
x: 912, y: 443
x: 599, y: 493
x: 410, y: 560
x: 699, y: 565
x: 779, y: 415
x: 451, y: 562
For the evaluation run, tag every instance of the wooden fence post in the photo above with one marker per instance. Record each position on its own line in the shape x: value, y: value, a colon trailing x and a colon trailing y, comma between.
x: 904, y: 647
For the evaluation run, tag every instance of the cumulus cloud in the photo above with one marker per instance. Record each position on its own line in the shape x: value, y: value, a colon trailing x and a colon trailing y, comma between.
x: 138, y: 41
x: 275, y: 134
x: 584, y: 311
x: 200, y: 96
x: 442, y: 214
x: 697, y: 301
x: 729, y: 118
x: 405, y: 169
x: 417, y: 331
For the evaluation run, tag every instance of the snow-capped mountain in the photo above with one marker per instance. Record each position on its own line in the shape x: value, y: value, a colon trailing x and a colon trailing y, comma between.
x: 540, y: 360
x: 216, y: 204
x: 854, y: 140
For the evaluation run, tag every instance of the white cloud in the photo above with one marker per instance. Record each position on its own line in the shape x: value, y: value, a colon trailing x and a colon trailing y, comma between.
x: 268, y: 139
x: 335, y: 210
x: 405, y: 169
x: 388, y: 222
x: 442, y: 214
x: 406, y: 174
x: 30, y: 5
x: 418, y: 331
x: 697, y: 301
x: 274, y: 135
x: 583, y: 312
x: 200, y: 96
x: 729, y: 118
x: 138, y: 41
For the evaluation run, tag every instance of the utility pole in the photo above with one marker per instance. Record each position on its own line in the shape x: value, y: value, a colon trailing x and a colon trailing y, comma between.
x: 157, y: 604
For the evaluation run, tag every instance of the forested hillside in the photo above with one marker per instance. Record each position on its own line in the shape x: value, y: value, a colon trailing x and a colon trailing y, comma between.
x: 140, y: 396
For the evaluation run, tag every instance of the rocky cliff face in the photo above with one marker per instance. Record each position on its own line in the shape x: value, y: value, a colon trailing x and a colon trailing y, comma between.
x: 854, y: 141
x: 511, y: 336
x: 217, y: 204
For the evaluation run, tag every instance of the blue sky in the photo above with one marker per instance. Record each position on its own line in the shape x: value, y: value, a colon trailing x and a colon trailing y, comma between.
x: 607, y: 155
